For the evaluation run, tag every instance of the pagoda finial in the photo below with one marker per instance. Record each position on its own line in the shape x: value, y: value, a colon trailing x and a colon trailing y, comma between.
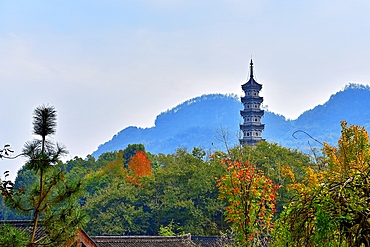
x: 251, y: 64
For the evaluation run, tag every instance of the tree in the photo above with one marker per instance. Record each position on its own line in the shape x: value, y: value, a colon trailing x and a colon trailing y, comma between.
x: 182, y: 189
x: 52, y: 199
x: 270, y: 157
x: 139, y: 166
x: 257, y: 169
x: 115, y: 205
x: 184, y: 192
x: 10, y: 237
x: 332, y: 205
x: 251, y: 200
x: 130, y: 151
x: 118, y: 208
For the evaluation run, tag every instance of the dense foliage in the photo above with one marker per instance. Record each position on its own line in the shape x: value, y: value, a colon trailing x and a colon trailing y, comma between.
x: 261, y: 194
x: 176, y: 189
x: 177, y: 193
x: 251, y: 200
x: 11, y: 237
x: 331, y: 205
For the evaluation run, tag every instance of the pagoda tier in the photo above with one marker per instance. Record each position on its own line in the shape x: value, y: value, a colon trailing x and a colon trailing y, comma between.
x: 249, y: 112
x: 251, y: 99
x: 250, y: 85
x: 254, y: 126
x: 252, y: 113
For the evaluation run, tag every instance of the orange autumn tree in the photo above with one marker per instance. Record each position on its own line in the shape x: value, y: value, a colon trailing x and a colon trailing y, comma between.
x: 139, y: 166
x: 251, y: 200
x: 332, y: 205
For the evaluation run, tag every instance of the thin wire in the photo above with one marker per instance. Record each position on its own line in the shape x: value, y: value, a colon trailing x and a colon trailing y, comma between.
x: 308, y: 135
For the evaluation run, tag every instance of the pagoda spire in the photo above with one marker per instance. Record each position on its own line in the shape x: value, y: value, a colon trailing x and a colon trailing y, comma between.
x: 251, y: 64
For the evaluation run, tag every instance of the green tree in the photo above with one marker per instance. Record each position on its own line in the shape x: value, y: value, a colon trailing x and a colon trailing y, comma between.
x: 117, y: 209
x: 52, y: 199
x: 185, y: 193
x: 167, y: 230
x: 131, y: 150
x: 11, y: 237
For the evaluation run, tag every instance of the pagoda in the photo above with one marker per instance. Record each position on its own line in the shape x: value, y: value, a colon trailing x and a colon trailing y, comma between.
x: 252, y: 113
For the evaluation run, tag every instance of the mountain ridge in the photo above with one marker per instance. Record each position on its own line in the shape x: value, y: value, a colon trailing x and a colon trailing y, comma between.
x: 208, y: 121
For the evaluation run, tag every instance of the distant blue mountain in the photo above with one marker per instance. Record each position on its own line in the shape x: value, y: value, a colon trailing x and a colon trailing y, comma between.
x: 212, y: 122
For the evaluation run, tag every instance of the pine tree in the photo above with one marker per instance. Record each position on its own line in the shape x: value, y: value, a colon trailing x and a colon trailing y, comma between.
x: 53, y: 198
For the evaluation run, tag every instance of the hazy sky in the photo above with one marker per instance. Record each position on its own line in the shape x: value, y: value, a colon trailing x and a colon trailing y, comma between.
x: 106, y: 65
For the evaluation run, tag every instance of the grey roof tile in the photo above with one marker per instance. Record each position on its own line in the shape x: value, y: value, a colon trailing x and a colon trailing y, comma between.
x: 144, y: 241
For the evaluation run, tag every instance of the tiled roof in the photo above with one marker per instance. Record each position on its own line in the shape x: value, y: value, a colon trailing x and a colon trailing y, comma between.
x: 143, y: 241
x: 129, y: 241
x: 25, y: 226
x: 209, y: 241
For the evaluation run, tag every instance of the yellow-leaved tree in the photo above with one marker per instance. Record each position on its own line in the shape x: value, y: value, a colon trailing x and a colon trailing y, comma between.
x: 331, y: 206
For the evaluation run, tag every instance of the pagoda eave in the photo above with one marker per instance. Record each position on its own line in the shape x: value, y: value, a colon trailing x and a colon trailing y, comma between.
x: 252, y: 126
x: 251, y: 99
x: 251, y: 111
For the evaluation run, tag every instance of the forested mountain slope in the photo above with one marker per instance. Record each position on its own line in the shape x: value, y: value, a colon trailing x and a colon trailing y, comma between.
x: 205, y: 121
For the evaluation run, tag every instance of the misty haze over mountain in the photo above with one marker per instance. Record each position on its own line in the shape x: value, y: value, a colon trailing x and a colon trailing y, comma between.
x: 212, y: 122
